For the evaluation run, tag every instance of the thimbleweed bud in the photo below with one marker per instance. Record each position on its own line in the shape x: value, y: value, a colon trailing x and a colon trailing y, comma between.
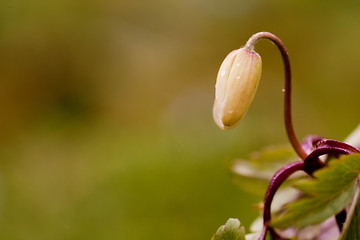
x: 235, y: 87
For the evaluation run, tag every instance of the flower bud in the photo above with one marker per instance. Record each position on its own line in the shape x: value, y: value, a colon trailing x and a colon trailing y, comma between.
x: 235, y: 87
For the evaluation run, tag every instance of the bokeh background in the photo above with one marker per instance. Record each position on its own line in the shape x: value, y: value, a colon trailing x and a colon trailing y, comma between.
x: 106, y: 129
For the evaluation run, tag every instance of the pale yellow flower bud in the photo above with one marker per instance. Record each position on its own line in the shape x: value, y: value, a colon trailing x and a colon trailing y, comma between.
x: 235, y: 87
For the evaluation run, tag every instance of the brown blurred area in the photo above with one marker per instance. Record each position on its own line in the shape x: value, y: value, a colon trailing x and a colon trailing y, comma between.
x: 106, y: 128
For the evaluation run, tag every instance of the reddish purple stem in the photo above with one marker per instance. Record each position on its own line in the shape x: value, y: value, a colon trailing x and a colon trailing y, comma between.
x: 287, y: 97
x: 279, y: 177
x: 317, y: 146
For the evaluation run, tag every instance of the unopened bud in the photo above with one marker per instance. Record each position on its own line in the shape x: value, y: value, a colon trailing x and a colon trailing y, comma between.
x: 236, y: 85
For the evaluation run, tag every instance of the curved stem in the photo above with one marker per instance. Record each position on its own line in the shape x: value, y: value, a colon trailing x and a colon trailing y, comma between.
x: 312, y: 162
x: 279, y: 177
x: 309, y: 165
x: 287, y: 98
x: 325, y: 146
x: 334, y: 143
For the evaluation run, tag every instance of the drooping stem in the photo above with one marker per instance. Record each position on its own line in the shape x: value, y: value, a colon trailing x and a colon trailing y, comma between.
x: 279, y: 177
x: 287, y: 97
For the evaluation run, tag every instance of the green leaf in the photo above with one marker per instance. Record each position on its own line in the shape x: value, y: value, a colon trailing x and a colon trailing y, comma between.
x: 232, y: 230
x: 324, y: 196
x: 351, y: 228
x: 254, y: 173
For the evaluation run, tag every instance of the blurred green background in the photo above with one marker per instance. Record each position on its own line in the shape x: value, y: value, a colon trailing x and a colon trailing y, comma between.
x: 106, y: 129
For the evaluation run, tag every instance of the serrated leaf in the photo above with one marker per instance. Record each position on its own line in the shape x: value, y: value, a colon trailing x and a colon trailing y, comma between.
x: 232, y: 230
x: 324, y: 196
x: 351, y: 228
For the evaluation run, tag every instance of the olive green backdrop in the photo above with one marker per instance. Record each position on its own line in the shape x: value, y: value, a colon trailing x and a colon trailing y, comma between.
x: 106, y: 129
